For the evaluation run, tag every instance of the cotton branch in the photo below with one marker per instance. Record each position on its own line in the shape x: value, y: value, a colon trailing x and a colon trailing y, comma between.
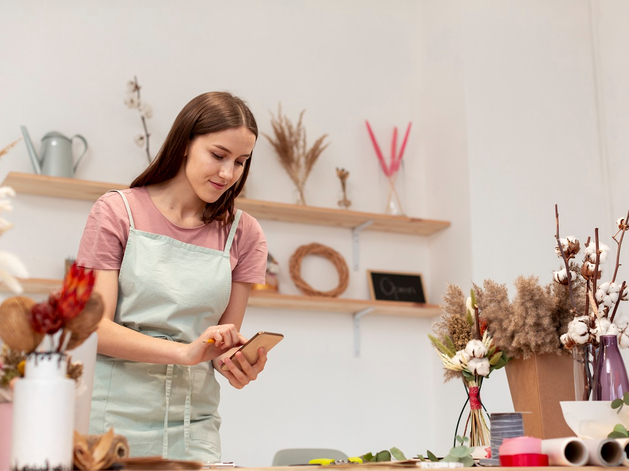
x: 565, y: 260
x: 619, y: 245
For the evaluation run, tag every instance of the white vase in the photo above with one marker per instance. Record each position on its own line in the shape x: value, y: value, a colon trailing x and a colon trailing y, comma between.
x: 43, y: 415
x: 5, y: 435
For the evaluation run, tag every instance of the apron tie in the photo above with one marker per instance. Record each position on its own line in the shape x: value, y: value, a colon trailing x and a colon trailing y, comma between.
x: 186, y: 415
x: 169, y: 382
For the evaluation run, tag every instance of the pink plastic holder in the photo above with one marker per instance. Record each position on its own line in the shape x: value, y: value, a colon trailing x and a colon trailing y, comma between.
x: 5, y: 435
x: 520, y: 446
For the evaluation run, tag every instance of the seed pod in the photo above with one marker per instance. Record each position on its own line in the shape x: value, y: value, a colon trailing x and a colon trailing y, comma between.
x: 15, y: 326
x: 86, y: 322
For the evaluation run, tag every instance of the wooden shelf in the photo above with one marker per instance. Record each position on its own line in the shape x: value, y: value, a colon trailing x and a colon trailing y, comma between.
x: 59, y: 187
x: 90, y: 190
x: 268, y: 299
x: 312, y: 303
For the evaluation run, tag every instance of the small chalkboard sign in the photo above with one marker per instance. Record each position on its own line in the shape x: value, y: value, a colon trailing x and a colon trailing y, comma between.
x: 407, y: 287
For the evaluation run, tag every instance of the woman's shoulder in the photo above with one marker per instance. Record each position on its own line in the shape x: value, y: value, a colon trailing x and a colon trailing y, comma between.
x: 250, y: 225
x: 114, y: 202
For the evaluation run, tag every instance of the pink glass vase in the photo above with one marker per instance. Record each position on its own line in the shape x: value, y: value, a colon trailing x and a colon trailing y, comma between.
x: 610, y: 374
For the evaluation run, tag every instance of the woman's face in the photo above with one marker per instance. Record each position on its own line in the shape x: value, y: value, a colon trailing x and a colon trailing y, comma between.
x: 215, y: 161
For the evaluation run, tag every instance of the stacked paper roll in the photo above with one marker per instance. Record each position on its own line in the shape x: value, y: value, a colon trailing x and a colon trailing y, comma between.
x: 573, y: 451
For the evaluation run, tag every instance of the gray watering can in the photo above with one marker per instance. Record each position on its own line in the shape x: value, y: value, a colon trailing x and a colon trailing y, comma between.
x: 55, y: 157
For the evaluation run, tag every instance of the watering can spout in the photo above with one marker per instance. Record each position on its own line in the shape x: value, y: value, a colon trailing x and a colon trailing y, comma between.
x: 31, y: 151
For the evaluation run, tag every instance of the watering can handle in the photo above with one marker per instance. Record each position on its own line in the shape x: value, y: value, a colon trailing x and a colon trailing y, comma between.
x: 78, y: 136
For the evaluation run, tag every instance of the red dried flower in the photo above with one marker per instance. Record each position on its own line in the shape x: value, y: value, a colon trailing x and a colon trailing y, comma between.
x: 77, y: 288
x: 45, y: 318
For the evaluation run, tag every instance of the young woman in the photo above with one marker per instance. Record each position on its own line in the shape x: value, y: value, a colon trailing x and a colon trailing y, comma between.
x: 175, y: 262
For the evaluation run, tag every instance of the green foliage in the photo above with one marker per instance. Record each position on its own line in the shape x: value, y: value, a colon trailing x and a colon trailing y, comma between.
x: 460, y: 453
x: 619, y: 403
x: 441, y: 347
x: 384, y: 455
x: 619, y: 430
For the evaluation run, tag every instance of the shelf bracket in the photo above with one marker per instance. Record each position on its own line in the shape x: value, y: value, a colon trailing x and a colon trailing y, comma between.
x: 356, y: 239
x: 357, y: 316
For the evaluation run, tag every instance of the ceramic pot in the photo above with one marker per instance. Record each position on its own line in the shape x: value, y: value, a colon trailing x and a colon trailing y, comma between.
x: 43, y: 415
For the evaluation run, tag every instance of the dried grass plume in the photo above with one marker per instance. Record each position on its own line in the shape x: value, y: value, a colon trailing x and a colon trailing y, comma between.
x: 291, y: 148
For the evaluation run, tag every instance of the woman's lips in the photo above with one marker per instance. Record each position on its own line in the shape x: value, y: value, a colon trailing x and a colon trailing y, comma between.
x: 218, y: 186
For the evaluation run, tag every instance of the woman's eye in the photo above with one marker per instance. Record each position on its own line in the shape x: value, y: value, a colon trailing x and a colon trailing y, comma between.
x: 217, y: 157
x: 239, y: 163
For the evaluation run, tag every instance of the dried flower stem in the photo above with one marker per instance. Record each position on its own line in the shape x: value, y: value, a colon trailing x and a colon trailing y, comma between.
x: 146, y: 130
x: 622, y: 290
x: 598, y: 260
x: 565, y: 260
x: 618, y: 251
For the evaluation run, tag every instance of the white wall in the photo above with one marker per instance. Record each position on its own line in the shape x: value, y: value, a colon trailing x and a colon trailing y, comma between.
x: 515, y: 106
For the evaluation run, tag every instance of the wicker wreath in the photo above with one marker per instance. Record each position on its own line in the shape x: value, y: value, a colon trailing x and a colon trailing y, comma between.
x: 323, y: 251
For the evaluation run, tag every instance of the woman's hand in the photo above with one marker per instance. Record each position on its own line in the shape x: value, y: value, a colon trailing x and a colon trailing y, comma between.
x: 211, y: 343
x: 240, y: 378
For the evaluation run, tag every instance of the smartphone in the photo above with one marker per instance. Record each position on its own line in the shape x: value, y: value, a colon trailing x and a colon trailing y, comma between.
x: 268, y: 340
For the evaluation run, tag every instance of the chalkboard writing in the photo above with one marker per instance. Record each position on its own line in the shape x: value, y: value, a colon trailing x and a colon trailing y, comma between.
x: 405, y: 287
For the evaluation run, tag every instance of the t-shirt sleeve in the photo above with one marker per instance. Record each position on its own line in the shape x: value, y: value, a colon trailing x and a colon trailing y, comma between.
x: 105, y: 235
x: 252, y: 253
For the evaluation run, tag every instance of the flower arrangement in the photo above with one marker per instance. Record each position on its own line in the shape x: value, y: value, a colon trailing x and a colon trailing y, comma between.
x: 133, y: 101
x: 62, y: 322
x: 467, y: 351
x: 343, y: 175
x: 74, y: 312
x: 595, y: 310
x: 599, y: 313
x: 292, y: 150
x: 390, y: 170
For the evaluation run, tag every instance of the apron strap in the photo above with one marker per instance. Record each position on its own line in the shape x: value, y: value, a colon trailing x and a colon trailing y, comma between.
x: 126, y: 203
x: 169, y: 382
x: 232, y: 232
x: 186, y: 416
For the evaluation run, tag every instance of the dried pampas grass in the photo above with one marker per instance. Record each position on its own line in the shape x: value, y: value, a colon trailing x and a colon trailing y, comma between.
x: 9, y: 147
x: 292, y: 150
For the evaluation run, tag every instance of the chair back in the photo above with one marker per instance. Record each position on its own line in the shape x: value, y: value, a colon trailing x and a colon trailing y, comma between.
x: 298, y: 456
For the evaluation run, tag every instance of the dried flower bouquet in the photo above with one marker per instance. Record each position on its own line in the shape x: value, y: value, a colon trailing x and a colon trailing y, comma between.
x: 467, y: 350
x: 62, y: 322
x: 292, y: 150
x: 598, y: 312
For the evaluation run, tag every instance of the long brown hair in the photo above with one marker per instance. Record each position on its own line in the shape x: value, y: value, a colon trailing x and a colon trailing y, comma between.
x: 209, y: 112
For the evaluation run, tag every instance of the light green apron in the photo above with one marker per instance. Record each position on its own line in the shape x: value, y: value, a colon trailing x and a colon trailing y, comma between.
x: 172, y: 290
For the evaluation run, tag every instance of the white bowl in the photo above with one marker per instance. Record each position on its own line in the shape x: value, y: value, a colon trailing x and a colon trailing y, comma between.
x: 593, y: 419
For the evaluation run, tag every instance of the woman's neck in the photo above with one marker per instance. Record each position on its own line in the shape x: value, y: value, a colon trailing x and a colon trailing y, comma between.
x: 177, y: 201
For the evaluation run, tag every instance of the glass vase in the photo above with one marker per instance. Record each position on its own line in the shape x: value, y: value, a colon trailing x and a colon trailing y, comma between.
x: 43, y: 415
x: 476, y: 424
x: 610, y: 374
x: 582, y: 369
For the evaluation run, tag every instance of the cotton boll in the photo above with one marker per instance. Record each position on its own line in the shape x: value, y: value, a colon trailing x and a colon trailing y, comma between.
x: 621, y: 320
x: 461, y: 358
x: 479, y: 366
x: 476, y: 349
x: 623, y: 340
x: 578, y: 330
x: 132, y: 101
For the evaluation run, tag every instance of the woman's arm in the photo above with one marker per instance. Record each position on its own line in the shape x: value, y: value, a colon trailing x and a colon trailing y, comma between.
x: 121, y: 342
x: 234, y: 314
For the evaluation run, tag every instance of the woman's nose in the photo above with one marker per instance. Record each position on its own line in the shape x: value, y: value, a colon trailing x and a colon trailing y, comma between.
x: 227, y: 171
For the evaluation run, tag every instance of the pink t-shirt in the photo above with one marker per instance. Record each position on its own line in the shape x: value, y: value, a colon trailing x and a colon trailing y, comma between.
x: 107, y: 230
